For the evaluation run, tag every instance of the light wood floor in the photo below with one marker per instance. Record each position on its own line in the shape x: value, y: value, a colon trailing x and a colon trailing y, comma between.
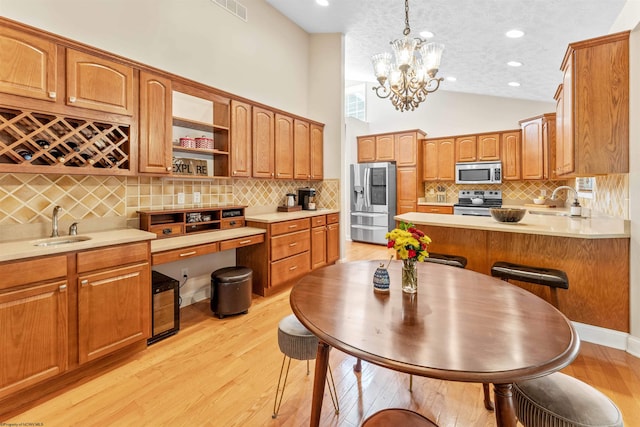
x: 224, y: 373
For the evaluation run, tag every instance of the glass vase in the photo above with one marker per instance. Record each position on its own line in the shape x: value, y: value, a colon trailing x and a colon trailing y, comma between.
x: 409, y: 276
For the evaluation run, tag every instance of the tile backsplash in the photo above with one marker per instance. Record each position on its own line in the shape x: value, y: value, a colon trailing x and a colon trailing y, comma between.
x: 28, y: 198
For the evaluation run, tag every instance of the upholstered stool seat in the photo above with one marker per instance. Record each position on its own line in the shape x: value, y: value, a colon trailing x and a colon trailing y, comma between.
x: 397, y: 417
x: 550, y: 277
x: 446, y: 259
x: 559, y: 400
x: 297, y: 342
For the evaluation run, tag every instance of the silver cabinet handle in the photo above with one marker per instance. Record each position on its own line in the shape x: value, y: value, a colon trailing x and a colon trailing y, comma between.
x: 293, y: 226
x: 169, y: 168
x: 72, y: 99
x: 189, y: 253
x: 84, y: 282
x: 293, y: 244
x: 244, y: 242
x: 52, y: 95
x: 293, y: 268
x: 63, y: 287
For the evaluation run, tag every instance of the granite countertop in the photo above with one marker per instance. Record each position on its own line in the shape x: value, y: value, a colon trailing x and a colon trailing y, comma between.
x: 184, y: 241
x: 21, y: 249
x: 548, y: 225
x: 269, y: 217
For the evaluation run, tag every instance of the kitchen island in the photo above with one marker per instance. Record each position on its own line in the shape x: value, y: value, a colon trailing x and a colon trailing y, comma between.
x: 594, y: 252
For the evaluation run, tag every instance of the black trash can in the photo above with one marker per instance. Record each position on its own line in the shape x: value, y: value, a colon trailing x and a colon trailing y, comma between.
x: 231, y: 290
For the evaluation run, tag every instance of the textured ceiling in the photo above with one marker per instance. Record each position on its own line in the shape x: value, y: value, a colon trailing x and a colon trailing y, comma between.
x: 476, y: 49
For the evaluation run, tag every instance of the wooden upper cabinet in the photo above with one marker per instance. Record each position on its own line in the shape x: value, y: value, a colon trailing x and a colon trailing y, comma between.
x: 99, y: 84
x: 538, y: 137
x: 488, y: 147
x: 240, y: 139
x: 385, y: 148
x: 557, y: 165
x: 366, y: 149
x: 438, y: 160
x: 155, y: 151
x: 316, y: 133
x: 263, y: 142
x: 283, y: 146
x: 511, y: 156
x: 406, y: 146
x: 301, y: 150
x: 466, y: 148
x: 28, y: 65
x: 595, y: 107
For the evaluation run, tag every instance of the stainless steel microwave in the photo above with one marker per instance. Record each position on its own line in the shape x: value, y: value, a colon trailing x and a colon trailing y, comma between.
x: 479, y: 173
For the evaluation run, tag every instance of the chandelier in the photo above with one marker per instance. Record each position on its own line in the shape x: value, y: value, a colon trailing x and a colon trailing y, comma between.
x: 413, y: 76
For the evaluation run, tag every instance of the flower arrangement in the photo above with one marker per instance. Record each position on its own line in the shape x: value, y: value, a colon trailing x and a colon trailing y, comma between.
x: 408, y: 242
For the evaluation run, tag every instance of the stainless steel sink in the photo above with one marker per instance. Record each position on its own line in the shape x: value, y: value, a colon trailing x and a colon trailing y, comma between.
x: 64, y: 240
x: 553, y: 213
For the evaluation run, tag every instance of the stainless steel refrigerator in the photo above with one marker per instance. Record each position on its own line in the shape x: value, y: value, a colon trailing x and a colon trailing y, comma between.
x: 373, y: 201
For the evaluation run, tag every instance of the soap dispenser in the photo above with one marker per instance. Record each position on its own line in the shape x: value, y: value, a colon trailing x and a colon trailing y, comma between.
x: 576, y: 209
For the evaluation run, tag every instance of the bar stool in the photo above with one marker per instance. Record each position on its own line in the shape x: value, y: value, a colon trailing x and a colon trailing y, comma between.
x: 552, y: 278
x: 397, y: 417
x: 446, y: 259
x: 296, y: 342
x: 562, y: 401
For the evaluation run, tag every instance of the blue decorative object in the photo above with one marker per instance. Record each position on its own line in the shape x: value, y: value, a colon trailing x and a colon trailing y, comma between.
x: 381, y: 280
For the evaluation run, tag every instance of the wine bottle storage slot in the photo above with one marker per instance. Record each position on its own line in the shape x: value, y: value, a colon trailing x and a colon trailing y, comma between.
x: 41, y: 139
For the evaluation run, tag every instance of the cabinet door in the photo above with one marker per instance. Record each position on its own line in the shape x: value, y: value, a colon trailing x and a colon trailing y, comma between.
x: 532, y: 150
x: 511, y: 156
x: 446, y: 160
x: 34, y: 334
x: 317, y: 151
x: 301, y: 150
x: 430, y: 160
x: 385, y: 148
x: 568, y: 156
x: 27, y: 65
x: 155, y: 124
x: 366, y: 149
x: 263, y: 143
x: 407, y: 199
x: 113, y: 310
x: 406, y: 146
x: 99, y: 84
x: 489, y: 147
x: 318, y: 247
x: 283, y: 147
x: 240, y: 139
x: 333, y: 243
x: 557, y: 163
x: 466, y: 148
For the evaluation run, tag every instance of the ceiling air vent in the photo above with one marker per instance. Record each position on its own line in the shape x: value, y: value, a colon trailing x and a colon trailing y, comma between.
x: 234, y: 7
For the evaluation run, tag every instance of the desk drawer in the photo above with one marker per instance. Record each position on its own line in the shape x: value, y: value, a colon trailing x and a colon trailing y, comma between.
x: 229, y: 223
x: 243, y: 241
x: 167, y: 230
x: 184, y: 253
x: 289, y: 226
x: 289, y: 244
x: 333, y: 218
x: 290, y: 268
x: 318, y: 221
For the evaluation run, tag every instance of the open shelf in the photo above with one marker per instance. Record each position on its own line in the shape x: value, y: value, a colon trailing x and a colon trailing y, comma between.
x: 176, y: 222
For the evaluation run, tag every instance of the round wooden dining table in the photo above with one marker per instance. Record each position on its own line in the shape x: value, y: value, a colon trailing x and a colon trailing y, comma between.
x: 460, y: 326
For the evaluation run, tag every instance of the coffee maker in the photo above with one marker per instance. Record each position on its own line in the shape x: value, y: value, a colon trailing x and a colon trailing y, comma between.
x: 305, y: 197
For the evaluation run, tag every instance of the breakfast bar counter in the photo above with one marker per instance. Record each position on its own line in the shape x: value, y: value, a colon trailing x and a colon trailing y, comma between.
x: 594, y: 252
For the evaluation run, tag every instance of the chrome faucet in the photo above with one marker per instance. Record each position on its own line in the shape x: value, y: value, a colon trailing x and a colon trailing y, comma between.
x: 566, y: 187
x: 54, y: 221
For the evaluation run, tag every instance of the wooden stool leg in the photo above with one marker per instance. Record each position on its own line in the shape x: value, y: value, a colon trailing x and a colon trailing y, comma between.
x: 358, y: 366
x: 554, y: 296
x: 487, y: 397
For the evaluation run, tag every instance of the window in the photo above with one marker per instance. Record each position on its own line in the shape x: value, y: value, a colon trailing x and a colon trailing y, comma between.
x: 355, y: 102
x: 585, y: 187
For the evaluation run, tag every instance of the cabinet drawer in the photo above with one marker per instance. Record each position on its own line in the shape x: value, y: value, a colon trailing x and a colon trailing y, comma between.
x: 435, y: 209
x: 289, y: 268
x: 289, y: 226
x: 32, y: 271
x: 167, y: 230
x: 333, y: 218
x: 228, y: 223
x: 318, y: 221
x: 184, y: 253
x: 114, y: 256
x: 243, y: 241
x: 289, y: 244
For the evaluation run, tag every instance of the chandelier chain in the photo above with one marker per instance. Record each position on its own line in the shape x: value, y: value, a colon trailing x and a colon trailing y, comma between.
x: 407, y: 29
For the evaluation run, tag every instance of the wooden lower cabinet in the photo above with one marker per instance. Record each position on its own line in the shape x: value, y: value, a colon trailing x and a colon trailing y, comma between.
x: 291, y: 249
x: 33, y: 322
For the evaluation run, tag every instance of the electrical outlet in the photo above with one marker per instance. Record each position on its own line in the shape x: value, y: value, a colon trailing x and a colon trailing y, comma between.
x: 543, y: 193
x: 181, y: 198
x: 184, y: 273
x: 196, y: 197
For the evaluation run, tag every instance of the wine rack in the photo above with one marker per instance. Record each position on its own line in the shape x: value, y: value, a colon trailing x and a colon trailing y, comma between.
x: 32, y: 141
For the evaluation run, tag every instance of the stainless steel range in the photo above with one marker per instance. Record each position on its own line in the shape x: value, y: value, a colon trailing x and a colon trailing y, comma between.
x: 477, y: 202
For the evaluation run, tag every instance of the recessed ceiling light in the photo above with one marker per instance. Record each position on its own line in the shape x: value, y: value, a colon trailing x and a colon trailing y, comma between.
x: 514, y: 64
x: 514, y: 34
x: 451, y: 79
x: 427, y: 34
x: 323, y: 2
x: 514, y: 84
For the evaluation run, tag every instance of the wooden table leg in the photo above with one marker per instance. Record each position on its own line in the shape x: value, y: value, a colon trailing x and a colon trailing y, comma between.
x: 319, y: 378
x: 505, y: 409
